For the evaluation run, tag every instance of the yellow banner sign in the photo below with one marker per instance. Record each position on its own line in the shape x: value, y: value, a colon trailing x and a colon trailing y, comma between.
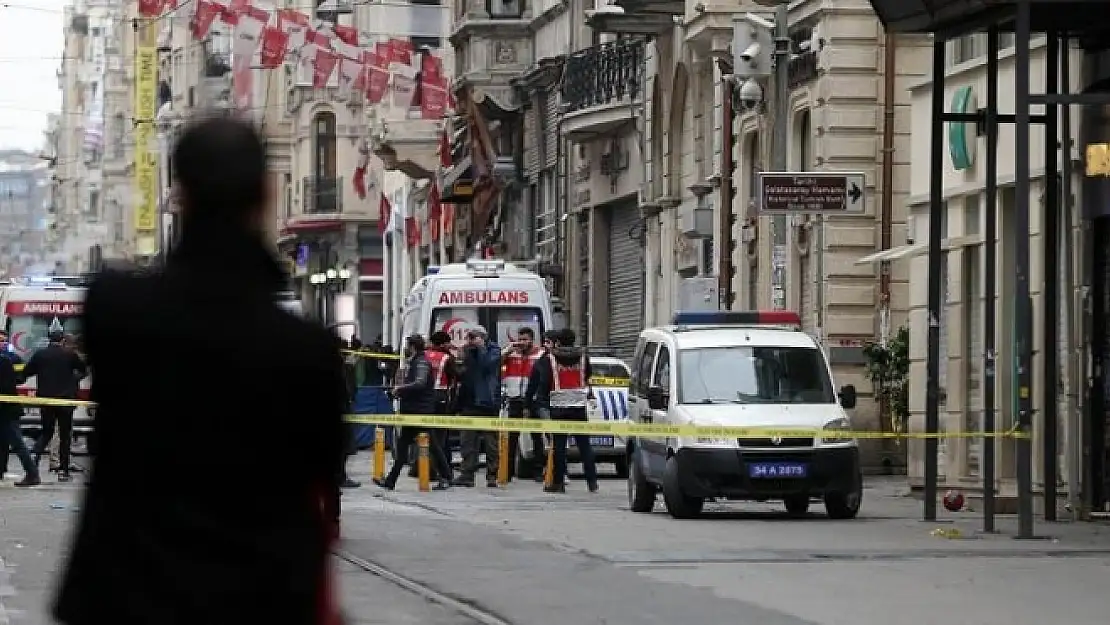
x: 146, y: 162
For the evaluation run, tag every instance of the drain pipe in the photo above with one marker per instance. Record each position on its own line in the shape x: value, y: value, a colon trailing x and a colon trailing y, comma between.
x: 887, y: 209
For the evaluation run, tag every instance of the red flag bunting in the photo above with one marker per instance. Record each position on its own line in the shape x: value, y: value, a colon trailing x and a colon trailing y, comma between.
x: 435, y: 211
x: 151, y: 8
x: 412, y: 231
x: 323, y: 67
x: 206, y: 12
x: 384, y: 210
x: 274, y: 42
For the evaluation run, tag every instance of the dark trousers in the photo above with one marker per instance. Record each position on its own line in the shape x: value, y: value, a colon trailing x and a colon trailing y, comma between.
x: 470, y: 440
x: 62, y: 418
x: 516, y: 411
x: 11, y: 438
x: 439, y: 462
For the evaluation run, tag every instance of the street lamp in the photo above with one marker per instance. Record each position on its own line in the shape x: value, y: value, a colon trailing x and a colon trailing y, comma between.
x: 328, y: 283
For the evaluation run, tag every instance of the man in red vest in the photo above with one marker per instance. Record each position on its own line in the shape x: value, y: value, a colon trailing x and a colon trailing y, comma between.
x: 445, y: 373
x: 517, y: 361
x: 559, y: 385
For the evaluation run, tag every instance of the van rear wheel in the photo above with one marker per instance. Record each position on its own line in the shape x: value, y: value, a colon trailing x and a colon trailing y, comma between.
x: 679, y: 504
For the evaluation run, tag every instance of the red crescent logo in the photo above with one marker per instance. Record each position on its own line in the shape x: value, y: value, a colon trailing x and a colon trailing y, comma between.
x: 17, y: 342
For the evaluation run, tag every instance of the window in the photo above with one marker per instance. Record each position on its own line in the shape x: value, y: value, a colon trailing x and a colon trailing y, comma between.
x: 502, y: 322
x: 117, y: 142
x: 29, y: 332
x: 754, y: 375
x: 608, y: 370
x: 662, y: 377
x: 971, y: 215
x: 325, y: 139
x: 643, y: 370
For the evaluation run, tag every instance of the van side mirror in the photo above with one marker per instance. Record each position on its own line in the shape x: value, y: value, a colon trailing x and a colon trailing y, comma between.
x: 658, y: 398
x: 848, y: 396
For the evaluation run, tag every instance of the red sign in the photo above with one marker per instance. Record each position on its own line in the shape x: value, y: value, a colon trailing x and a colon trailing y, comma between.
x: 59, y: 309
x: 483, y: 297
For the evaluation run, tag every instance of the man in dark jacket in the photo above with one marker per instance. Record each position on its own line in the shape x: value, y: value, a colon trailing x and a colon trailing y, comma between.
x: 350, y: 430
x: 558, y: 388
x: 479, y: 396
x: 10, y: 435
x: 57, y: 370
x: 153, y: 540
x: 417, y: 396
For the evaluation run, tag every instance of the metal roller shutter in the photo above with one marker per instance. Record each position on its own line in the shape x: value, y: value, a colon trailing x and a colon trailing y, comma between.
x: 550, y: 123
x: 626, y: 273
x: 533, y: 141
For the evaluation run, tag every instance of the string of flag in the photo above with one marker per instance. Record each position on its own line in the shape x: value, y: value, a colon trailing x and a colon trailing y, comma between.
x: 388, y: 68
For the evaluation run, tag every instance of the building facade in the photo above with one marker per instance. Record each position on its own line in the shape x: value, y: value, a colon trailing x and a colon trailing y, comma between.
x: 963, y: 267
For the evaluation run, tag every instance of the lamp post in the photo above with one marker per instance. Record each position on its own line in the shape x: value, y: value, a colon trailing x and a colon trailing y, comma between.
x: 327, y: 284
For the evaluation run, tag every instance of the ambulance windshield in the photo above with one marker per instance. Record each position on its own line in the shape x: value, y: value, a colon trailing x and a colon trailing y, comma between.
x: 502, y: 323
x: 29, y: 332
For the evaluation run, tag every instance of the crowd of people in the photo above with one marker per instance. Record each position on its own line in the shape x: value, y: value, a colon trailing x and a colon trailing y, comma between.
x: 479, y: 379
x: 58, y: 367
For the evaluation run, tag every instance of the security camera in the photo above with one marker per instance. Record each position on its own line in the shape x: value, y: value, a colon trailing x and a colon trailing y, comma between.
x: 750, y: 95
x: 750, y: 53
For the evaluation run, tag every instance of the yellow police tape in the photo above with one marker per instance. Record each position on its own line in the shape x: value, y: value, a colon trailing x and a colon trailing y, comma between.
x: 367, y: 354
x: 629, y: 428
x: 597, y: 380
x: 616, y: 428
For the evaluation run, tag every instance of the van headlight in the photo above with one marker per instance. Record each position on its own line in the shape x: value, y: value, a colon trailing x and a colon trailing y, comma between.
x: 710, y: 441
x: 837, y: 431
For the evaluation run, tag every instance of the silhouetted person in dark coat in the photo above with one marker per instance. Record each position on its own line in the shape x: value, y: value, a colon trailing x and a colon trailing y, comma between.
x: 201, y: 381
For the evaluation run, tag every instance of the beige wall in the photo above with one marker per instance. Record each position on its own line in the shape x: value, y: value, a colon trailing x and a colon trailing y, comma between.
x: 965, y: 213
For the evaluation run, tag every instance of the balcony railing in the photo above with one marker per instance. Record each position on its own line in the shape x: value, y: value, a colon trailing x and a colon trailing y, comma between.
x: 323, y: 195
x: 604, y: 74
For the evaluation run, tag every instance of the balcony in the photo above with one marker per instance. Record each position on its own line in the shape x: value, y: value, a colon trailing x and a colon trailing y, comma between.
x: 665, y: 8
x: 322, y: 196
x: 614, y: 19
x: 601, y: 84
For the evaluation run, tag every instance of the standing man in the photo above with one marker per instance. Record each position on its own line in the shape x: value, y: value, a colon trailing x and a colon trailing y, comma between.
x: 350, y: 430
x: 418, y: 396
x: 232, y: 548
x: 445, y: 371
x: 517, y: 361
x: 11, y: 435
x: 479, y: 396
x: 559, y: 386
x: 58, y: 371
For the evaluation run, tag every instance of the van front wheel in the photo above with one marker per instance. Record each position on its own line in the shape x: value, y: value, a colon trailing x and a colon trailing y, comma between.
x: 679, y: 504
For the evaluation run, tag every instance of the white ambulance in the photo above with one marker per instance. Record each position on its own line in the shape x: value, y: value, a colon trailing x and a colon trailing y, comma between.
x: 29, y: 310
x: 499, y: 296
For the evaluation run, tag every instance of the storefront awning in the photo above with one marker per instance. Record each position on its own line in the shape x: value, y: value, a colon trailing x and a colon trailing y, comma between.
x: 918, y: 249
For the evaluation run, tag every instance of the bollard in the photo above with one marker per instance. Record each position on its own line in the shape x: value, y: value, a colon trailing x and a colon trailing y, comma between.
x: 423, y: 474
x: 378, y: 468
x: 503, y: 467
x: 549, y: 469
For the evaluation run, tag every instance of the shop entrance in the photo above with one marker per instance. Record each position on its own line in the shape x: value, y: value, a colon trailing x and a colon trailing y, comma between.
x: 1096, y: 436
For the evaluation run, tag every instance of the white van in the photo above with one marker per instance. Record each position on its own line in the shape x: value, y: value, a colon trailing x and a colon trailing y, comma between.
x: 742, y: 369
x: 499, y: 296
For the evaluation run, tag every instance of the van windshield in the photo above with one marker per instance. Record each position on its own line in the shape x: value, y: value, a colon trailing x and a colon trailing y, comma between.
x: 502, y: 323
x: 754, y: 375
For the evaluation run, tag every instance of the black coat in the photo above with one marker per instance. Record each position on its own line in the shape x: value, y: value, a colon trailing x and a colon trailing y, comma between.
x: 417, y: 393
x: 201, y: 382
x: 57, y: 371
x: 9, y: 381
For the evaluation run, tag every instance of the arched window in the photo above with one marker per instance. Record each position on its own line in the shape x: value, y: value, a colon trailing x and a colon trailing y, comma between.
x: 324, y: 183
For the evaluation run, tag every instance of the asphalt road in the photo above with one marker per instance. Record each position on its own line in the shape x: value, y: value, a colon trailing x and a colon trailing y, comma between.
x: 519, y: 556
